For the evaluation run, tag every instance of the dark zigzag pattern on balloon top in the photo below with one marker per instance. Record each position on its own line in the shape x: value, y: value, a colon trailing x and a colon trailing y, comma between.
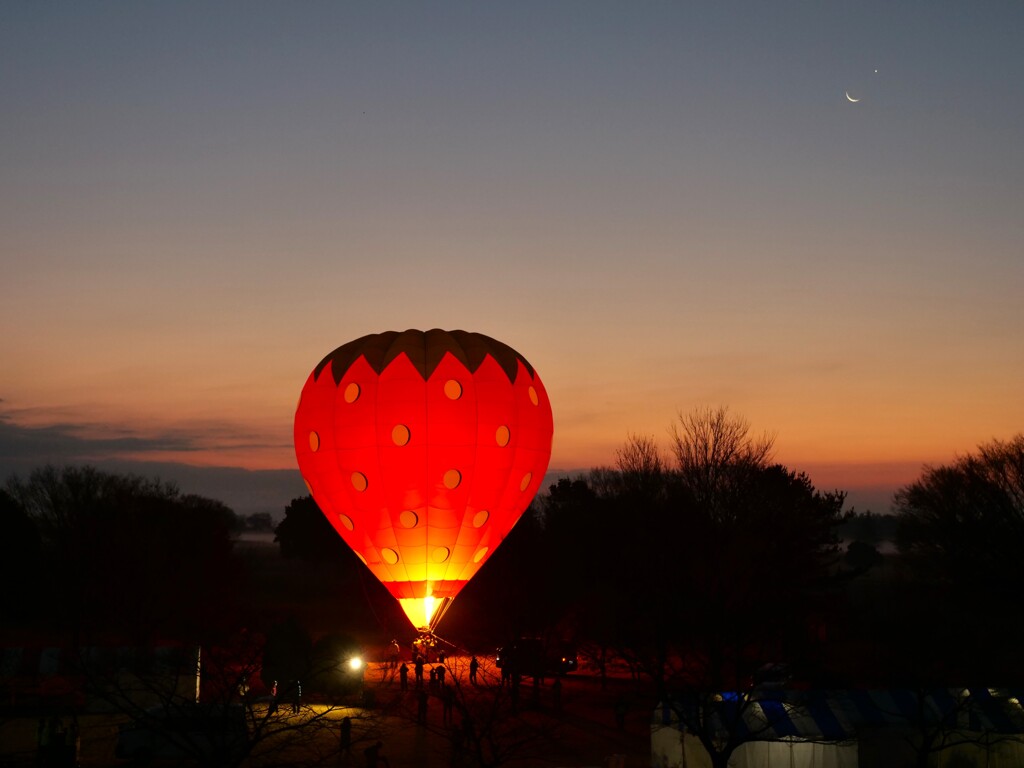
x: 425, y: 350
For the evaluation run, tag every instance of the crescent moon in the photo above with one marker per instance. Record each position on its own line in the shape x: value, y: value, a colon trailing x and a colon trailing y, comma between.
x: 850, y: 98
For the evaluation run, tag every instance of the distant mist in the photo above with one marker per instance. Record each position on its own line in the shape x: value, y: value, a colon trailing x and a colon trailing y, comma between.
x: 245, y: 491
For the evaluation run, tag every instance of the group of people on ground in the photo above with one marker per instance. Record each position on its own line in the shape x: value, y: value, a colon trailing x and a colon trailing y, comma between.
x: 295, y: 696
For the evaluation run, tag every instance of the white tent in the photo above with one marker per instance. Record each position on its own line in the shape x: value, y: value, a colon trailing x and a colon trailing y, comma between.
x: 845, y: 729
x: 781, y: 737
x: 672, y: 749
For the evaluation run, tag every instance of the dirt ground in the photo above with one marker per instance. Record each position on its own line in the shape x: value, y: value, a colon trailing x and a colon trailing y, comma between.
x: 575, y: 726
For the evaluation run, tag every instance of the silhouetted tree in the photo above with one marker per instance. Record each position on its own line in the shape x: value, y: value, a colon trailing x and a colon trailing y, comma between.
x: 641, y: 468
x: 304, y: 533
x: 715, y: 454
x: 515, y: 591
x: 962, y: 532
x: 964, y: 523
x: 750, y: 570
x: 20, y: 549
x: 129, y: 555
x: 700, y: 572
x: 732, y: 556
x: 749, y: 586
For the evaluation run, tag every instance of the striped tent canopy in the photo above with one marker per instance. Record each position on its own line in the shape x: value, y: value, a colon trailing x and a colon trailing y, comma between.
x: 837, y: 716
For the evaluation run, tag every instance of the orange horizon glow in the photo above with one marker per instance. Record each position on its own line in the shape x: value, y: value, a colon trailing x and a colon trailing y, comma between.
x: 855, y: 459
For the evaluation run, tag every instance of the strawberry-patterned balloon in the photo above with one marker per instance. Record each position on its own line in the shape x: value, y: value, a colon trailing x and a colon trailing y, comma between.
x: 423, y: 448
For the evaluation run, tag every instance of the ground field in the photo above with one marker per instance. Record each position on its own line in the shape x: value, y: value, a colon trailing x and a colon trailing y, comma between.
x: 574, y: 724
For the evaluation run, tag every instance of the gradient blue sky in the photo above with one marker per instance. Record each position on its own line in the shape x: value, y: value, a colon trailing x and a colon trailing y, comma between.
x: 661, y: 205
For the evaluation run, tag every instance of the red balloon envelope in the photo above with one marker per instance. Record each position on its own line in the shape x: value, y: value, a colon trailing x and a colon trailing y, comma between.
x: 423, y: 449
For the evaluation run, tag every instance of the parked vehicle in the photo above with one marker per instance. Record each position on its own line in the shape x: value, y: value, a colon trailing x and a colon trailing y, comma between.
x: 533, y: 656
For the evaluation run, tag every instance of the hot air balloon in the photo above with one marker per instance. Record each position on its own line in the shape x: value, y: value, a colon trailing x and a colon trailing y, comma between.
x: 423, y: 448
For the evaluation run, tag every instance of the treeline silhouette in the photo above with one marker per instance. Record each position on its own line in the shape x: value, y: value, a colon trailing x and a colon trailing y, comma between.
x: 706, y: 567
x: 88, y: 554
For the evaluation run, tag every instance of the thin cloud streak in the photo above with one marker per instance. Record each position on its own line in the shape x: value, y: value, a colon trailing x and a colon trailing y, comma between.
x: 26, y: 448
x: 198, y: 443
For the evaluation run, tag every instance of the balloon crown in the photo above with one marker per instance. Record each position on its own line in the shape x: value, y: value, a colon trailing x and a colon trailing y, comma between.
x: 425, y: 350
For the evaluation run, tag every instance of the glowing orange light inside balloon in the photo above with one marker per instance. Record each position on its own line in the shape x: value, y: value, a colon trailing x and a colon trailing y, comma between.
x: 423, y: 448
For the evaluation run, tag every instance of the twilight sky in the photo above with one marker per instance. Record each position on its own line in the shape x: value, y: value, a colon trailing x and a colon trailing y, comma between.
x: 661, y: 205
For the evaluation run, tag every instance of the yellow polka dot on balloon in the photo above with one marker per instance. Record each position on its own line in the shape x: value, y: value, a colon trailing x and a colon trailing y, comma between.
x: 400, y: 434
x: 501, y: 436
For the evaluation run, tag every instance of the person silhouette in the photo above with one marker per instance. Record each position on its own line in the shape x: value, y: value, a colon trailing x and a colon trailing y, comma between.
x: 447, y: 704
x: 373, y: 756
x: 393, y: 654
x: 421, y: 707
x: 346, y: 735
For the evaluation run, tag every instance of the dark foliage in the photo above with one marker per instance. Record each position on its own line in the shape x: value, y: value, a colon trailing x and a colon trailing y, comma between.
x: 127, y: 555
x: 511, y: 594
x: 305, y: 534
x: 962, y: 534
x: 20, y: 550
x: 964, y: 523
